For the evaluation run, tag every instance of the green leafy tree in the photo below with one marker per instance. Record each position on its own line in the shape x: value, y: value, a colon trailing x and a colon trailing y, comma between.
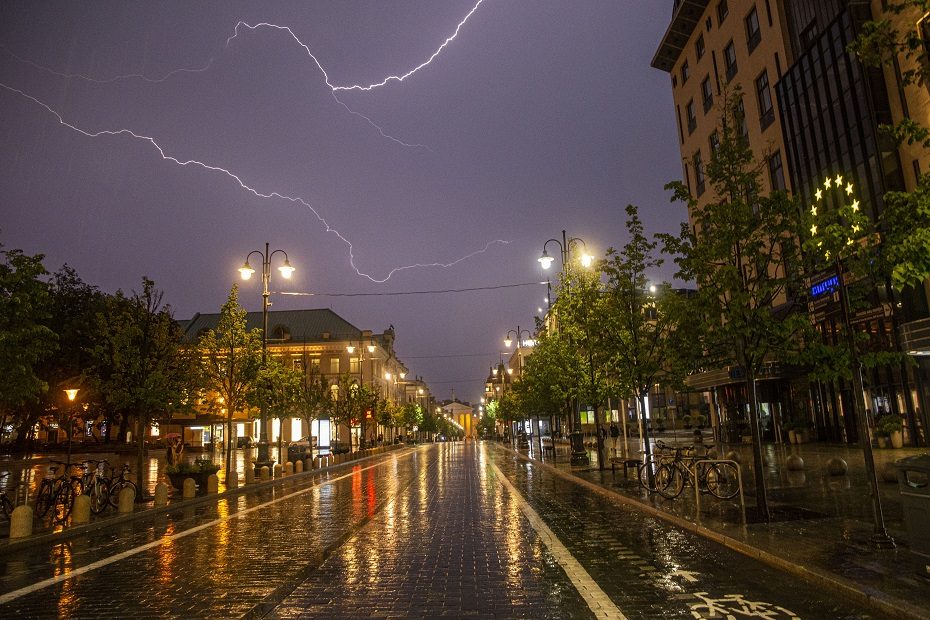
x: 743, y: 255
x: 25, y: 339
x: 279, y: 388
x: 313, y: 396
x: 232, y: 359
x: 139, y: 364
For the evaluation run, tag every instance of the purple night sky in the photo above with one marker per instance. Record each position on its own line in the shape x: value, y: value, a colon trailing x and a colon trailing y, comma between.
x: 540, y: 115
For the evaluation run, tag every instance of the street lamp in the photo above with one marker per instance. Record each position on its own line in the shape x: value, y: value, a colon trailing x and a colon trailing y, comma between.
x: 842, y: 231
x: 246, y: 272
x: 72, y: 394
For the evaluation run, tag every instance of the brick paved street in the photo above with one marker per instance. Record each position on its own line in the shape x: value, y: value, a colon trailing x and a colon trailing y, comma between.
x: 427, y: 532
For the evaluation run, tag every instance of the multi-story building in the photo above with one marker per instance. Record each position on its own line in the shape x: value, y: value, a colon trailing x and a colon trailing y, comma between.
x: 812, y: 111
x: 321, y: 343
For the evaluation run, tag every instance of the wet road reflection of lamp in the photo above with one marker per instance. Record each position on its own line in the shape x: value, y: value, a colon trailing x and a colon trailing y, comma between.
x: 246, y: 272
x: 72, y: 394
x: 837, y: 234
x: 579, y: 455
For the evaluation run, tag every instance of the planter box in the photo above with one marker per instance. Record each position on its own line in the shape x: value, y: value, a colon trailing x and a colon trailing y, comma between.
x: 200, y: 479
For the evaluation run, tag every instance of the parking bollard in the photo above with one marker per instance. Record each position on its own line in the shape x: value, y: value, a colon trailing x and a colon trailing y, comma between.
x: 21, y: 522
x: 126, y: 498
x: 277, y: 470
x: 250, y: 474
x: 80, y: 513
x: 213, y: 483
x: 190, y: 488
x: 232, y: 479
x: 298, y: 467
x: 161, y: 494
x: 288, y: 468
x: 265, y: 473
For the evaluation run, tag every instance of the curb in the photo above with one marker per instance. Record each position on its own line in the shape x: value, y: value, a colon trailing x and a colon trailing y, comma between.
x: 866, y: 597
x: 8, y: 546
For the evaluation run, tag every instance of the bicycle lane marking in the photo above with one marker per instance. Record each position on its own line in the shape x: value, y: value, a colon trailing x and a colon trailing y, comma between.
x: 15, y: 594
x: 597, y: 600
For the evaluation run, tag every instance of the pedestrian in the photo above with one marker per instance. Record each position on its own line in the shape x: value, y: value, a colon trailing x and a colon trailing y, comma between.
x: 614, y: 437
x: 169, y: 452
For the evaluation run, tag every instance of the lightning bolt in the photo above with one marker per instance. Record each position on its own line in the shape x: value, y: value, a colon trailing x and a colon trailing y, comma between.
x: 242, y: 184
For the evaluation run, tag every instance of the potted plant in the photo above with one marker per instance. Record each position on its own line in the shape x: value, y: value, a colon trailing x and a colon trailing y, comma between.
x: 891, y: 427
x: 687, y: 420
x: 199, y: 470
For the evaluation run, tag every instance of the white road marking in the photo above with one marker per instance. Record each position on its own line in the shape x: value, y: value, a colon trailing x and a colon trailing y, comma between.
x: 597, y: 600
x: 15, y: 594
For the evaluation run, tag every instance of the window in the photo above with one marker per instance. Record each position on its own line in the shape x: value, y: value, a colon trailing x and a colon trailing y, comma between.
x: 354, y: 365
x: 685, y: 72
x: 753, y: 33
x: 334, y: 365
x: 280, y: 333
x: 729, y: 57
x: 297, y: 364
x: 699, y: 46
x: 722, y: 11
x: 707, y: 94
x: 315, y: 365
x: 776, y: 172
x: 692, y: 117
x: 764, y: 94
x: 741, y: 119
x: 714, y: 141
x: 698, y: 172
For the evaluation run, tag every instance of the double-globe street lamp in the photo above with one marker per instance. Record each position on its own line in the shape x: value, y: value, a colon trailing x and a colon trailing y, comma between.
x: 566, y: 245
x: 246, y: 272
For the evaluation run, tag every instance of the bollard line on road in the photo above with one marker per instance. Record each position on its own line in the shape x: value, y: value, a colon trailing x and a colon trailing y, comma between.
x: 15, y: 594
x: 598, y: 601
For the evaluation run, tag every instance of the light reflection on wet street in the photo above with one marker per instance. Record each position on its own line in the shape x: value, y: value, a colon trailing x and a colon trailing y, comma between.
x: 421, y: 532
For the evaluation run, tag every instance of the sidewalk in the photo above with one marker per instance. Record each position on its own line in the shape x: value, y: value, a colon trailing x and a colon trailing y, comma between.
x: 823, y: 527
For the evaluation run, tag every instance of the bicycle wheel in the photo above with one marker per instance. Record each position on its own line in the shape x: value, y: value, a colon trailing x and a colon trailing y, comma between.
x: 723, y: 480
x: 647, y: 474
x: 6, y: 506
x: 118, y: 486
x: 670, y: 480
x: 64, y: 501
x: 99, y: 496
x: 45, y: 499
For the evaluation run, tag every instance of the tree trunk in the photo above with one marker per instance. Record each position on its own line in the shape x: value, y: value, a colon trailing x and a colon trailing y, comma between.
x: 140, y: 458
x: 757, y: 464
x: 228, y: 441
x: 600, y: 438
x: 644, y: 421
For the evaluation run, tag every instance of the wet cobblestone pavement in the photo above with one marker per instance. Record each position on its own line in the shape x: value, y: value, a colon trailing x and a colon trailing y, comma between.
x: 423, y: 533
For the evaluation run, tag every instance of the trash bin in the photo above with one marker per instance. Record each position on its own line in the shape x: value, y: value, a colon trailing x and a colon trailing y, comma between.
x: 913, y: 478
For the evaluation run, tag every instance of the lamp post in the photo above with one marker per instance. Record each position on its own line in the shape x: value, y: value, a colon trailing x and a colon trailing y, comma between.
x: 579, y: 455
x: 72, y: 394
x: 246, y: 272
x: 842, y: 232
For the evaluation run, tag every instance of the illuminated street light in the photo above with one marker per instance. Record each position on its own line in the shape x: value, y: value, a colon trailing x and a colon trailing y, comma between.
x: 246, y: 272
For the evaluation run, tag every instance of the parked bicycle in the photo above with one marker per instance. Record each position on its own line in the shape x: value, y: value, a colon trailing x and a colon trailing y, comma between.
x: 57, y: 492
x: 96, y: 485
x: 648, y: 472
x: 719, y: 478
x: 6, y: 504
x: 119, y: 483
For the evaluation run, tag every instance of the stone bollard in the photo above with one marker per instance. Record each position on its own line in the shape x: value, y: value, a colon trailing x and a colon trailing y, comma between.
x: 794, y: 463
x: 21, y: 522
x: 190, y: 488
x: 161, y: 494
x: 232, y: 479
x: 213, y: 483
x: 298, y: 467
x: 732, y: 455
x: 250, y: 474
x: 126, y: 499
x: 309, y: 464
x: 889, y: 473
x: 288, y: 468
x: 837, y: 466
x: 277, y: 470
x: 80, y: 513
x: 265, y: 473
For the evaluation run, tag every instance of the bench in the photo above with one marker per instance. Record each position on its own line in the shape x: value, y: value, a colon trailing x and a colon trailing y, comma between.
x: 627, y: 464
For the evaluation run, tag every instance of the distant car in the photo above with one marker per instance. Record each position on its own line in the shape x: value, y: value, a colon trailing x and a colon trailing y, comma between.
x: 244, y: 442
x: 301, y: 449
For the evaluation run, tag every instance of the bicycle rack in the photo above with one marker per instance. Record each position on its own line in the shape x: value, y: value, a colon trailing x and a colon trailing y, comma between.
x: 739, y: 478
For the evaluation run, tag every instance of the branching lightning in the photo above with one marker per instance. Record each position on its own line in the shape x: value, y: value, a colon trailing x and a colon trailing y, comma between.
x: 293, y: 199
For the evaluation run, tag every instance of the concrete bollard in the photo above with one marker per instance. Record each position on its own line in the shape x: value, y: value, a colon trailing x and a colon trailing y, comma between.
x: 126, y: 499
x: 232, y: 479
x: 265, y: 473
x: 21, y: 522
x: 309, y: 464
x: 190, y: 488
x: 161, y: 494
x: 80, y: 513
x: 250, y: 474
x: 213, y: 483
x: 277, y: 470
x: 837, y: 467
x: 298, y: 467
x: 288, y: 468
x: 794, y: 463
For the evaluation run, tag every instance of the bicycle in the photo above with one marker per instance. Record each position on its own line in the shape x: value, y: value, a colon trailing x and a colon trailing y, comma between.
x: 6, y: 504
x: 56, y: 491
x: 648, y: 472
x: 119, y: 483
x: 720, y: 479
x: 96, y: 485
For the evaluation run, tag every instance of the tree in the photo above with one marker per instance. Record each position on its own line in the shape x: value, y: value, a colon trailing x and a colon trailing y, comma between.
x: 279, y: 388
x: 139, y: 365
x: 25, y: 339
x: 232, y: 359
x: 744, y: 257
x: 640, y: 323
x: 313, y: 396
